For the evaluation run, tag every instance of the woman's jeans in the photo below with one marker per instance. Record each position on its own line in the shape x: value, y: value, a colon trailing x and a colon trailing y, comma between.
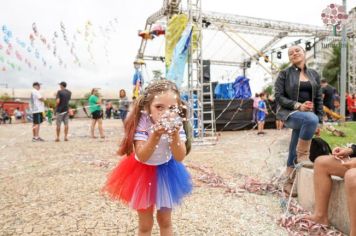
x: 304, y: 125
x: 123, y: 114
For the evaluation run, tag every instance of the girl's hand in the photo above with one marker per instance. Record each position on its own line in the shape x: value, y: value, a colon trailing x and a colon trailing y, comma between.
x: 159, y: 129
x: 350, y: 164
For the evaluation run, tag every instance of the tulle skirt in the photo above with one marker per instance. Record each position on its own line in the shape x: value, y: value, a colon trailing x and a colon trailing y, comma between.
x: 141, y: 186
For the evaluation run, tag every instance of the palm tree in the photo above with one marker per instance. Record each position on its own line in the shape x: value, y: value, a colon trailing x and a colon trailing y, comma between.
x: 284, y: 65
x: 331, y: 70
x: 157, y: 74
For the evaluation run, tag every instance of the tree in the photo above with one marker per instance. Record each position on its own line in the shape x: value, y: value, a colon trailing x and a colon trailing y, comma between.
x: 331, y: 70
x: 269, y: 89
x: 5, y: 97
x: 157, y: 74
x: 51, y: 102
x: 284, y: 65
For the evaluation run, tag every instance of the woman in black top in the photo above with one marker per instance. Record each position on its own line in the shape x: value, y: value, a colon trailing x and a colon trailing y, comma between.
x: 300, y: 106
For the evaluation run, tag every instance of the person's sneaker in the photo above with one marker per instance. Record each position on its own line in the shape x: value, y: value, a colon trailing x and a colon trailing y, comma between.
x: 40, y: 139
x: 34, y: 139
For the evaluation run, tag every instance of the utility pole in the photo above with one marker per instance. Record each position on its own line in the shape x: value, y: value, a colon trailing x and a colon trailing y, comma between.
x: 343, y: 67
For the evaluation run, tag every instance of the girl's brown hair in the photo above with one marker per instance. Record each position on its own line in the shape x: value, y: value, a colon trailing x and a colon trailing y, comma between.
x: 141, y: 104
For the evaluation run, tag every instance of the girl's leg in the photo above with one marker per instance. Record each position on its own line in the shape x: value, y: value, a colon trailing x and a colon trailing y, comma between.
x: 101, y: 130
x: 93, y: 122
x: 259, y: 125
x: 164, y: 219
x: 145, y: 221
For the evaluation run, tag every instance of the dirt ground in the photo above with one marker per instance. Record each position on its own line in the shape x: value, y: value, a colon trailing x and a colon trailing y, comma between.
x: 49, y: 188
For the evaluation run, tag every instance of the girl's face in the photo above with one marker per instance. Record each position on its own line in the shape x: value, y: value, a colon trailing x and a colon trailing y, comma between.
x: 162, y: 103
x: 296, y: 55
x: 122, y: 93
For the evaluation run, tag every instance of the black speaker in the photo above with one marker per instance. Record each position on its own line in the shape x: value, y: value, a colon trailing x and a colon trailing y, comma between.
x: 206, y: 71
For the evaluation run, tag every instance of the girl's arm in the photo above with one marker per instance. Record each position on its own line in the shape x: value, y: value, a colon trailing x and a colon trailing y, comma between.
x: 177, y: 147
x: 145, y: 149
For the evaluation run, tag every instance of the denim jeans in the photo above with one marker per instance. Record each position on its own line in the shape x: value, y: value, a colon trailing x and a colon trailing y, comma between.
x: 123, y: 114
x: 304, y: 125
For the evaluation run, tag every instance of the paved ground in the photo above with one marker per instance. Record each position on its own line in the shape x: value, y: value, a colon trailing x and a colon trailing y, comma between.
x: 53, y: 188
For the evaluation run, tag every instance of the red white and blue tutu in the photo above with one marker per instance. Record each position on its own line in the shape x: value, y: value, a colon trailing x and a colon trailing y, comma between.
x: 141, y: 186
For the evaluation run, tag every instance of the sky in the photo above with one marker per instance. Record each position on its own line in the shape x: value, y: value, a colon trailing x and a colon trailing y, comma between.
x: 110, y: 27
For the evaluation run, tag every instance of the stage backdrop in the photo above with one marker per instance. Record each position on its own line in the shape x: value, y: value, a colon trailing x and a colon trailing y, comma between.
x: 237, y: 114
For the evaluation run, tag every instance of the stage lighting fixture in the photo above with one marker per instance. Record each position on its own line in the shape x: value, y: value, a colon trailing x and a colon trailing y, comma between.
x: 248, y: 64
x: 206, y: 23
x: 308, y: 46
x: 279, y: 55
x: 266, y: 58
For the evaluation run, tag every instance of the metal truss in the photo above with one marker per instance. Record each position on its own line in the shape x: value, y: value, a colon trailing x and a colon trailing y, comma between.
x: 253, y: 25
x: 200, y: 90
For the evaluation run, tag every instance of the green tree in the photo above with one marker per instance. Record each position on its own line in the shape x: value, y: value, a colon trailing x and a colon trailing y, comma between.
x: 5, y: 97
x: 86, y: 96
x: 331, y: 70
x: 157, y: 74
x: 73, y: 105
x: 269, y: 89
x: 50, y: 102
x: 284, y: 65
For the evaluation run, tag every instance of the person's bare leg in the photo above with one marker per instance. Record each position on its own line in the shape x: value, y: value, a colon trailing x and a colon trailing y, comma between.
x: 101, y: 130
x: 324, y: 167
x: 66, y: 128
x: 58, y: 132
x: 93, y: 122
x: 350, y: 186
x: 38, y: 130
x: 164, y: 218
x: 34, y: 130
x: 145, y: 222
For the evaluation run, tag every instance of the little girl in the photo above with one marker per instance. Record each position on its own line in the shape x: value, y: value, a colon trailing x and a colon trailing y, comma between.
x: 261, y: 113
x: 151, y: 174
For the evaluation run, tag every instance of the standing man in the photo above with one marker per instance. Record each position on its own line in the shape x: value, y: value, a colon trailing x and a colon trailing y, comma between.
x: 37, y: 106
x: 62, y: 106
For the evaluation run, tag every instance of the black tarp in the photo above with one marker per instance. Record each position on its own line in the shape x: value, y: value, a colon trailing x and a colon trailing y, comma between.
x: 238, y: 115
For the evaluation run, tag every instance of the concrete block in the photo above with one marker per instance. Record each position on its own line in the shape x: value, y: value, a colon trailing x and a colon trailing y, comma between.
x: 338, y: 211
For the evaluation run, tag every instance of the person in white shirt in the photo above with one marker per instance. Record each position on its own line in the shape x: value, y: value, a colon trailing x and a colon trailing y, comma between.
x: 37, y: 107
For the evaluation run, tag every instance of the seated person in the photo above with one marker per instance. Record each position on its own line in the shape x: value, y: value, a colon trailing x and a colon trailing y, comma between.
x: 337, y: 164
x: 5, y: 117
x: 18, y: 114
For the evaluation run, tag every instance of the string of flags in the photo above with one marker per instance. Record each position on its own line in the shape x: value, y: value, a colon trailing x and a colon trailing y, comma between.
x: 61, y: 48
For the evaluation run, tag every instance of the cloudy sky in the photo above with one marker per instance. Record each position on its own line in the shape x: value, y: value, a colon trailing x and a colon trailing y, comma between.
x: 112, y: 38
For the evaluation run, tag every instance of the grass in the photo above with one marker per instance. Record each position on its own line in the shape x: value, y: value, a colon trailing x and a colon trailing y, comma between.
x: 350, y: 130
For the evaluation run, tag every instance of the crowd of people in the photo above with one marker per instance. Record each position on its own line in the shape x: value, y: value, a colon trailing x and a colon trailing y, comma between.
x: 62, y: 112
x: 156, y: 140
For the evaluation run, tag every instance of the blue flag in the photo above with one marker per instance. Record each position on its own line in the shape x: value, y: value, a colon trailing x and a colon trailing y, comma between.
x: 180, y: 54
